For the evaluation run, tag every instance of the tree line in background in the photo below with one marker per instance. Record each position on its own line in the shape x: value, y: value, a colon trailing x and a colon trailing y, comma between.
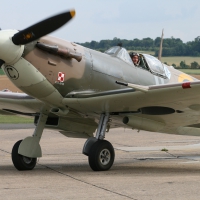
x: 171, y: 46
x: 183, y: 65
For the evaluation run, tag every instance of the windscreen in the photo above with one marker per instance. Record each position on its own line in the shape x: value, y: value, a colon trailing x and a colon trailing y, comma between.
x: 112, y: 50
x: 124, y: 55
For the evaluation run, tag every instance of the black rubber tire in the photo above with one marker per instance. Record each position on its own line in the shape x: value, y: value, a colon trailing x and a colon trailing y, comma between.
x: 95, y: 153
x: 19, y: 160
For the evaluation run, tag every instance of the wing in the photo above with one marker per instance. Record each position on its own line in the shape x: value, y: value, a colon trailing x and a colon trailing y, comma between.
x: 171, y: 108
x: 19, y: 103
x: 71, y: 125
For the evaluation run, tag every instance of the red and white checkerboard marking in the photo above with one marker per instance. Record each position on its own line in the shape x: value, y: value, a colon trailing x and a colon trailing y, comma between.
x: 61, y: 77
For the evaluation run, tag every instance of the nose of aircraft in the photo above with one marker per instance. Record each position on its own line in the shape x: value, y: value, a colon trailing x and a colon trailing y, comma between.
x: 12, y: 42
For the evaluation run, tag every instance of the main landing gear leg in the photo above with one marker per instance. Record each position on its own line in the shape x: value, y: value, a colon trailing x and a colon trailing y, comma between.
x: 25, y: 152
x: 100, y: 152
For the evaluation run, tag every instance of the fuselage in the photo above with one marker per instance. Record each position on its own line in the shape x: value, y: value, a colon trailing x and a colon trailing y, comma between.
x: 95, y: 72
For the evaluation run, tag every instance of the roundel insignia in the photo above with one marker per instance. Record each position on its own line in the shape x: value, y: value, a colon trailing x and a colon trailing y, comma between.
x: 184, y: 78
x: 11, y: 72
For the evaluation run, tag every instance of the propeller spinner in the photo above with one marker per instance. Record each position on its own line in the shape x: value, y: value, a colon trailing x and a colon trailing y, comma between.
x: 12, y: 42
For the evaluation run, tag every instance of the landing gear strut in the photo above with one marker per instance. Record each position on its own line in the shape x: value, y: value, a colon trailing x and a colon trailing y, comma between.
x: 100, y: 152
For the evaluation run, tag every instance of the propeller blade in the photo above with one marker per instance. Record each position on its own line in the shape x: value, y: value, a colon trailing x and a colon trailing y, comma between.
x: 42, y: 28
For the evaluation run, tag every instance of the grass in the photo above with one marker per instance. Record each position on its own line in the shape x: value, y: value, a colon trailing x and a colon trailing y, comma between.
x: 1, y: 72
x: 191, y: 71
x: 13, y: 119
x: 177, y: 59
x: 164, y: 149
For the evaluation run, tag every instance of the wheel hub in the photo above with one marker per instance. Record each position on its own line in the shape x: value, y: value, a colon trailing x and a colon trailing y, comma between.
x: 104, y: 156
x: 27, y: 160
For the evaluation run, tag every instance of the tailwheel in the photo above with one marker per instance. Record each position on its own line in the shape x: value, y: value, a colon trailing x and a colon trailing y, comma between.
x: 101, y: 156
x: 22, y: 162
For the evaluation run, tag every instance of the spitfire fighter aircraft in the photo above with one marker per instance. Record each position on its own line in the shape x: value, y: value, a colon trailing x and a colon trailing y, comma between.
x: 78, y: 91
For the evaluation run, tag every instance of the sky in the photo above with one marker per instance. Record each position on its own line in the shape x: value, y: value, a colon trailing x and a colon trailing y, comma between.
x: 105, y: 19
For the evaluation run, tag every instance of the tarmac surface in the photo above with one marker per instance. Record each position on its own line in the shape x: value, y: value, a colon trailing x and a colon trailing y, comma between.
x: 143, y: 167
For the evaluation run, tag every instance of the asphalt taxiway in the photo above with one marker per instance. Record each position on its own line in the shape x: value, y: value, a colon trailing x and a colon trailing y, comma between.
x: 147, y: 166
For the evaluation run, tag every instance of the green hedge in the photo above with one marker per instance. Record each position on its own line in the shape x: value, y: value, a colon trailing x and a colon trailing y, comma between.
x: 1, y: 72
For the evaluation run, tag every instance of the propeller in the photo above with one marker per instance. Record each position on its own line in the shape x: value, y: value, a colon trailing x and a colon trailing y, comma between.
x: 12, y: 42
x: 42, y: 28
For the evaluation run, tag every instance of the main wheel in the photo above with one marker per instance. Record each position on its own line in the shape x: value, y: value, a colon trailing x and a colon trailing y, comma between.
x: 22, y: 162
x: 101, y: 156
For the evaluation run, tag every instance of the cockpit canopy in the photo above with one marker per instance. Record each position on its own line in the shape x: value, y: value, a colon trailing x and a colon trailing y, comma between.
x: 121, y: 53
x: 155, y: 65
x: 147, y: 62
